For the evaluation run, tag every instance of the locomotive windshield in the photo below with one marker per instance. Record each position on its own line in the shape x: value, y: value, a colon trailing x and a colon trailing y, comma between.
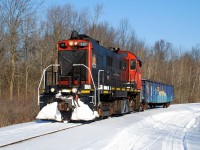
x: 66, y: 61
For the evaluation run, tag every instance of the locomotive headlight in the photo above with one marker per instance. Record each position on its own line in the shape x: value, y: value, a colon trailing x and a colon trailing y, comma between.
x: 65, y: 91
x: 52, y: 90
x: 71, y: 43
x: 75, y: 43
x: 74, y: 90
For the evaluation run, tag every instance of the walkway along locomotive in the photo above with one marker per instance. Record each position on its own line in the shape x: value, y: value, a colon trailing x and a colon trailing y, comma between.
x: 108, y: 81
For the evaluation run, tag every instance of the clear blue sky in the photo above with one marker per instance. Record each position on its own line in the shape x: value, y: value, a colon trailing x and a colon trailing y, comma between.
x: 176, y: 21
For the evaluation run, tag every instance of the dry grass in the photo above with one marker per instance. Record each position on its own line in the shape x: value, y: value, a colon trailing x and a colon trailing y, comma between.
x: 13, y: 112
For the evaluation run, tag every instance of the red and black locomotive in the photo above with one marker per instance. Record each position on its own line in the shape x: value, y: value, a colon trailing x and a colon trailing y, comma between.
x: 108, y: 80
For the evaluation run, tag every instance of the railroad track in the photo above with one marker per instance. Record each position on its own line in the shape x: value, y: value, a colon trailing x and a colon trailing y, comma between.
x: 16, y: 134
x: 19, y: 133
x: 24, y: 132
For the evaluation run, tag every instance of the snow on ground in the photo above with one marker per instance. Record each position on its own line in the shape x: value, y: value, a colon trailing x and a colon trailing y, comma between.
x: 15, y: 133
x: 173, y: 128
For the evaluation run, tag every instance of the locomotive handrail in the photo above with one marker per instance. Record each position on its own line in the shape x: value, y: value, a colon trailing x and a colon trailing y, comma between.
x: 92, y: 80
x: 99, y: 78
x: 43, y: 76
x: 99, y: 83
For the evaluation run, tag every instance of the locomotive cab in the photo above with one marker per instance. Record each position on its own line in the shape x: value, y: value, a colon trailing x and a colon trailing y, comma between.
x: 133, y: 70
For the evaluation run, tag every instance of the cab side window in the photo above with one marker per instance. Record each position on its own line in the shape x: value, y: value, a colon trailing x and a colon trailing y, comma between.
x: 133, y: 64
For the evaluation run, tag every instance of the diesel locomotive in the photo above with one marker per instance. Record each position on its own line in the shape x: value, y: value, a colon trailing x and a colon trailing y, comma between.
x: 108, y: 80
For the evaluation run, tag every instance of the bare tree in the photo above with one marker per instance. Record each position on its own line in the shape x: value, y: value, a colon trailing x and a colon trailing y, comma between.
x: 28, y: 50
x: 105, y: 34
x: 196, y: 74
x: 14, y: 13
x: 1, y: 51
x: 124, y: 31
x: 97, y: 12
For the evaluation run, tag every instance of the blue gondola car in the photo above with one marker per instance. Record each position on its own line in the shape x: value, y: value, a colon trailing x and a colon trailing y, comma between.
x: 155, y: 93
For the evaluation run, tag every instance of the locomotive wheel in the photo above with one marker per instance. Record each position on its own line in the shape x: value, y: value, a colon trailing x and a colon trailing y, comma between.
x: 144, y: 106
x: 164, y: 105
x: 168, y: 105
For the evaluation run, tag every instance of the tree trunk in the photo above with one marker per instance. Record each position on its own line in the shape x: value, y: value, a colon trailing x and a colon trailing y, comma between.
x: 12, y: 77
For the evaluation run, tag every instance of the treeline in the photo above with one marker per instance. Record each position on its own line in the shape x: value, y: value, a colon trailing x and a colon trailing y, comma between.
x: 28, y: 42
